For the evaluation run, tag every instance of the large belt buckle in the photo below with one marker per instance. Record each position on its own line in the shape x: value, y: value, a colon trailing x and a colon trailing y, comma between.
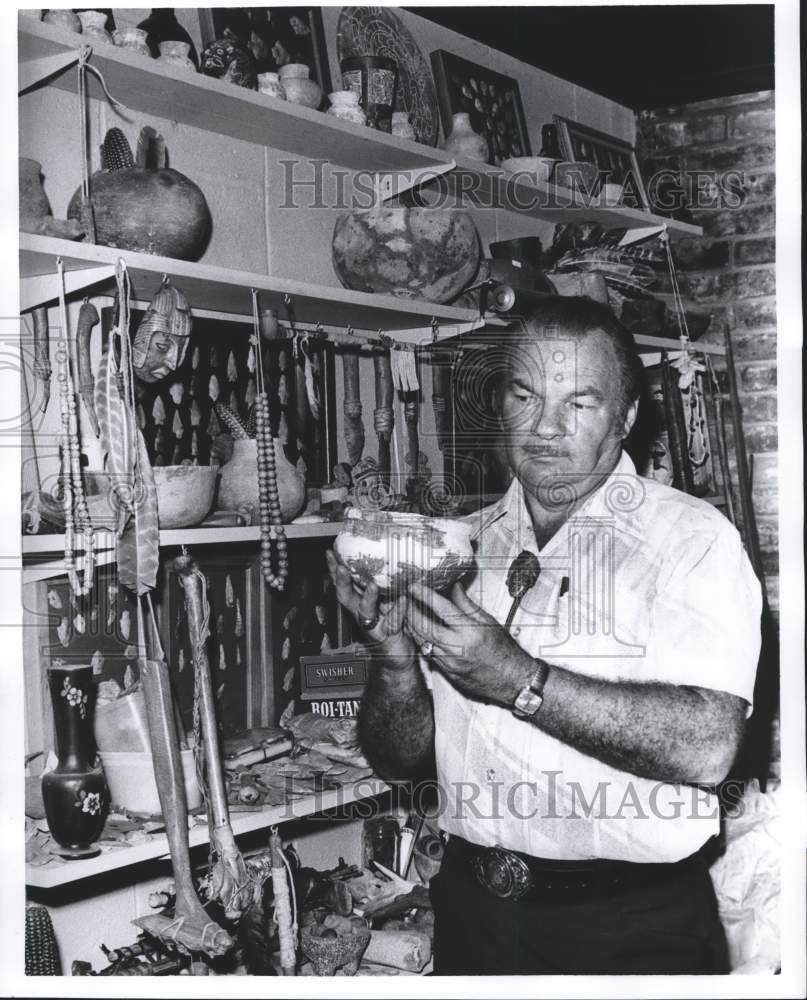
x: 502, y: 873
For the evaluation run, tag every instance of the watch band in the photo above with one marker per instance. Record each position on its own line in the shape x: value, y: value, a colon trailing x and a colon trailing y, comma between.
x: 531, y: 696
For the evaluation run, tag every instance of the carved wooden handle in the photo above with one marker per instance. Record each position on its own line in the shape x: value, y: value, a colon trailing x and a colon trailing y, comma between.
x: 354, y: 425
x: 383, y: 416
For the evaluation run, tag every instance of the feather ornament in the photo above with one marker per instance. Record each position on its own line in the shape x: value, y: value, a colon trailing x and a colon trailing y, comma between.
x: 139, y: 547
x: 118, y: 425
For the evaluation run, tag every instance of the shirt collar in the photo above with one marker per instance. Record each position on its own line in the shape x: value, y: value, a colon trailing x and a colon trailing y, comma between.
x: 510, y: 511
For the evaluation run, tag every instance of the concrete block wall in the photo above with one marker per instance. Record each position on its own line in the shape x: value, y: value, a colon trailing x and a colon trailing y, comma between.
x: 730, y: 271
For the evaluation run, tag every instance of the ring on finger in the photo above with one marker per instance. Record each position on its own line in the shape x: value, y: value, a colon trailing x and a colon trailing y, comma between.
x: 427, y: 648
x: 369, y: 623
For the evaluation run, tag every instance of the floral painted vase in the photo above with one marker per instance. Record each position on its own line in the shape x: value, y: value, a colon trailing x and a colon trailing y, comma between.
x: 463, y: 141
x: 75, y: 792
x: 345, y: 105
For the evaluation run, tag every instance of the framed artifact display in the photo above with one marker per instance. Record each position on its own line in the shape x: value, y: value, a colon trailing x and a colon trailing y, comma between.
x: 615, y: 158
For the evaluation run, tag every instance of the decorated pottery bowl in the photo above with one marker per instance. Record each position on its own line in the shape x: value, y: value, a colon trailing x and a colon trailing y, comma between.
x: 328, y: 950
x: 184, y: 494
x: 395, y: 550
x: 415, y: 253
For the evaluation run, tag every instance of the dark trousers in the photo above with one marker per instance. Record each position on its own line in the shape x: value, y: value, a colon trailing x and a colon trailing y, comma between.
x: 667, y: 927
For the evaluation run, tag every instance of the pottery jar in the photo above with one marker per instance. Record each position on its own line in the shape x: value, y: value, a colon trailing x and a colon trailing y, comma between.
x: 34, y: 204
x: 93, y: 26
x: 231, y: 60
x: 299, y: 89
x: 176, y: 54
x: 238, y: 487
x: 162, y: 26
x: 345, y: 105
x: 133, y: 39
x: 401, y: 126
x: 269, y: 84
x: 463, y: 141
x: 63, y: 19
x: 75, y: 792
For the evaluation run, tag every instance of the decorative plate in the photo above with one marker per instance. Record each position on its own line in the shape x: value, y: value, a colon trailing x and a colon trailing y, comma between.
x: 377, y: 31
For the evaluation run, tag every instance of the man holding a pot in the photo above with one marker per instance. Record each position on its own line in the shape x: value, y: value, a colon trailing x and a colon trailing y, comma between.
x: 577, y: 732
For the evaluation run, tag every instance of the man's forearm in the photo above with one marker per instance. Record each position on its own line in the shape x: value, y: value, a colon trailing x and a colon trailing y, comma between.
x: 661, y: 731
x: 396, y: 723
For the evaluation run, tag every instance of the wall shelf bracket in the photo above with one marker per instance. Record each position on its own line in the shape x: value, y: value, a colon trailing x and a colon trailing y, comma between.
x: 34, y: 71
x: 393, y: 183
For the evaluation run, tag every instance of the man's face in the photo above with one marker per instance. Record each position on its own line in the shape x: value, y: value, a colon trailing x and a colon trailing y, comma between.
x: 164, y: 353
x: 561, y: 416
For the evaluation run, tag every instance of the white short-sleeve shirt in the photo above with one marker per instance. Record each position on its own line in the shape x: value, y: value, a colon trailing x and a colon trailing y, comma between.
x: 642, y: 583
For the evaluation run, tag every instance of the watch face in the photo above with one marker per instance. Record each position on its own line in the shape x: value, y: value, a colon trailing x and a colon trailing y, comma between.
x: 528, y: 702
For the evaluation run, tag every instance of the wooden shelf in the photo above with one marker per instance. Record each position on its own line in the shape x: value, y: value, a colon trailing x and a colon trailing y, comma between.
x: 113, y: 858
x: 150, y: 87
x: 147, y: 86
x: 485, y: 187
x: 220, y: 289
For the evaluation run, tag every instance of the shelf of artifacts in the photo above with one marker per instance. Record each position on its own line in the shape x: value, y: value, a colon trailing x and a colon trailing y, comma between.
x: 49, y: 55
x: 90, y: 268
x: 43, y: 555
x: 60, y: 872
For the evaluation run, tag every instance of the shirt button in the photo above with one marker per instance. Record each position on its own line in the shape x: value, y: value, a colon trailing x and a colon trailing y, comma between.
x: 516, y: 631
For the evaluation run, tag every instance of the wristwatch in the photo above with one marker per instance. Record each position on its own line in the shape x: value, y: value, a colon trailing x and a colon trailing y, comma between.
x: 531, y: 696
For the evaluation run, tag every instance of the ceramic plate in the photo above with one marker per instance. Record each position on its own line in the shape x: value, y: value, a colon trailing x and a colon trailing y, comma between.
x: 377, y: 31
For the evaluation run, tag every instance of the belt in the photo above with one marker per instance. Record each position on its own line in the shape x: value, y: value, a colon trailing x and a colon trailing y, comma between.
x: 513, y: 875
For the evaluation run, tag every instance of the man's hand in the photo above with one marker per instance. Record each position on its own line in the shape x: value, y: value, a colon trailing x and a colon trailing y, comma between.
x: 392, y: 648
x: 470, y: 647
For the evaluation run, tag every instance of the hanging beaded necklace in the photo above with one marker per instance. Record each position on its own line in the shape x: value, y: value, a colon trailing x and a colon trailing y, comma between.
x: 74, y: 501
x: 268, y: 497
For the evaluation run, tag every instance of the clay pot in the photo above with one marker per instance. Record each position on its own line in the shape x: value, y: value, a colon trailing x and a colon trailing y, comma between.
x: 133, y: 39
x: 345, y: 105
x: 184, y: 494
x: 299, y: 89
x: 151, y: 210
x: 401, y: 126
x: 396, y: 550
x: 238, y: 487
x: 63, y: 19
x: 34, y: 204
x: 75, y: 792
x: 162, y: 26
x: 416, y: 253
x: 269, y: 84
x: 463, y: 141
x: 175, y: 54
x: 93, y: 26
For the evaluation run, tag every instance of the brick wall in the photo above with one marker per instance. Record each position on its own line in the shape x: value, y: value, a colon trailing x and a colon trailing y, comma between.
x: 729, y: 272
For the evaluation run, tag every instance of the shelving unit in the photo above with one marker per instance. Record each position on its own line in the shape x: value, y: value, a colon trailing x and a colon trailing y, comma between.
x: 114, y: 858
x: 145, y: 85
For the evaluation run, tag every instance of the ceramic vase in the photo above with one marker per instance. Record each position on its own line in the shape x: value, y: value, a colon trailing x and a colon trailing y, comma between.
x: 176, y: 54
x: 401, y: 126
x: 299, y: 89
x: 162, y: 26
x: 345, y: 105
x: 133, y: 39
x: 63, y: 19
x: 269, y: 84
x: 75, y: 792
x: 375, y: 80
x: 34, y: 204
x: 463, y: 141
x: 93, y: 26
x: 238, y: 487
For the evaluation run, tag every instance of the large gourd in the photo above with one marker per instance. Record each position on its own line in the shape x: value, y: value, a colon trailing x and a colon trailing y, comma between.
x: 142, y: 204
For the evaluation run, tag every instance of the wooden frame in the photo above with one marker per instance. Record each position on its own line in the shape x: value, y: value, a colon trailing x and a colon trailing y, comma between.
x: 276, y: 26
x: 491, y: 100
x: 613, y: 157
